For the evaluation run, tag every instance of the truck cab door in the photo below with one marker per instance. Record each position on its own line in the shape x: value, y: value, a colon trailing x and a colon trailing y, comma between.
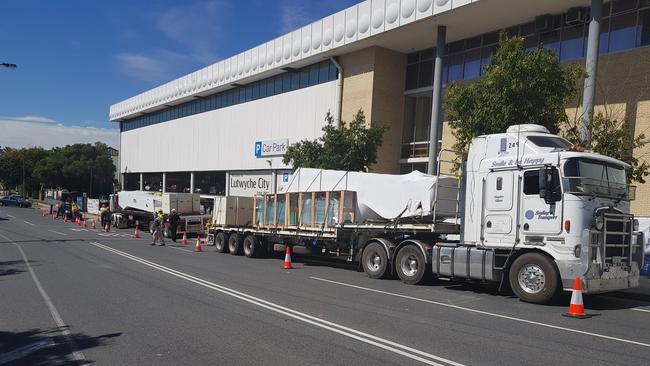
x: 542, y: 206
x: 499, y: 209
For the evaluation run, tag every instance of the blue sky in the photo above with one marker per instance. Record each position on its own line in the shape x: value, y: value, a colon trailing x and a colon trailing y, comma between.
x: 75, y: 58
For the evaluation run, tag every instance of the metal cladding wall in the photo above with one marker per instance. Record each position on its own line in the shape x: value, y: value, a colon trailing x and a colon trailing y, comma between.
x: 224, y: 139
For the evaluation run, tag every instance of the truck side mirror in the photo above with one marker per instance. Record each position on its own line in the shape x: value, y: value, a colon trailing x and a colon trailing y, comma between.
x: 547, y: 191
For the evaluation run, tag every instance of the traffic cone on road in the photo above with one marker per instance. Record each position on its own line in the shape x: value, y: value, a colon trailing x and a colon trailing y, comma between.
x: 65, y: 218
x: 287, y: 258
x: 85, y: 224
x: 577, y: 307
x: 184, y: 242
x: 106, y: 228
x: 94, y: 225
x: 136, y: 235
x: 197, y: 247
x: 44, y: 213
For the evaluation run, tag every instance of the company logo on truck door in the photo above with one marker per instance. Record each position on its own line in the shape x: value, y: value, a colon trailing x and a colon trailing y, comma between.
x: 271, y: 147
x: 541, y: 215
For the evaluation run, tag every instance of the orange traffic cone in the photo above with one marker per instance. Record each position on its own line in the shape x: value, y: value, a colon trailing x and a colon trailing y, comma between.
x: 65, y: 218
x: 197, y: 247
x: 136, y: 235
x: 94, y: 225
x: 106, y: 229
x: 184, y: 242
x: 85, y: 224
x: 577, y: 307
x: 44, y: 213
x: 287, y: 258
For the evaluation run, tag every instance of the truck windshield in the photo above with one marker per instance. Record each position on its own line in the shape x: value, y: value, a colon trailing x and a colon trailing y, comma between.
x: 596, y: 178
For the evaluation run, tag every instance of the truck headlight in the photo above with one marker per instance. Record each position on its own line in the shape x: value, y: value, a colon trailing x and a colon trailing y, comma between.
x: 599, y: 223
x: 635, y: 225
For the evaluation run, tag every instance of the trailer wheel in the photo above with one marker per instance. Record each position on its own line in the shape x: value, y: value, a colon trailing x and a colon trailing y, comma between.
x: 533, y: 278
x: 410, y: 265
x: 235, y: 244
x: 251, y: 246
x: 221, y: 242
x: 375, y: 260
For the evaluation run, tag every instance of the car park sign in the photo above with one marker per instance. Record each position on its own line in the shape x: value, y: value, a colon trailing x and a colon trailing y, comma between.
x: 271, y: 148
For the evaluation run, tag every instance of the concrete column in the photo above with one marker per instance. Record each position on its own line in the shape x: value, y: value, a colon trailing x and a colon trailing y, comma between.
x: 436, y: 103
x: 191, y: 182
x: 227, y: 184
x: 141, y: 182
x: 591, y: 67
x: 164, y: 183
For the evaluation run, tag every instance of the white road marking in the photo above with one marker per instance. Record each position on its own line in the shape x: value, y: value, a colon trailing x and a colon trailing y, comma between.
x: 25, y: 351
x: 56, y: 232
x: 12, y: 216
x: 185, y: 250
x: 76, y: 354
x: 485, y: 313
x: 639, y: 309
x: 28, y: 223
x: 385, y: 344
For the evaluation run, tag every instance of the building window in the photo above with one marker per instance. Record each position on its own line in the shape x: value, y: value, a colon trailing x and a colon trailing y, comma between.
x: 417, y: 123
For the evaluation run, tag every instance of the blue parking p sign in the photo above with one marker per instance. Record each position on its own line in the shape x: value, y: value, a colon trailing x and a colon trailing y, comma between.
x: 258, y: 149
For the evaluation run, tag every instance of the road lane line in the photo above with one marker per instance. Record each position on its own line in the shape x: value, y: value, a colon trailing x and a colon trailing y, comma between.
x: 65, y: 332
x: 185, y: 250
x: 12, y: 216
x: 28, y: 223
x: 56, y: 232
x: 643, y: 310
x: 484, y: 312
x: 385, y: 344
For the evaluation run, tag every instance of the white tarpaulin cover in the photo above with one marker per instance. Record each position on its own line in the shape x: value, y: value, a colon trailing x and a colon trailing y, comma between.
x: 139, y: 200
x: 383, y: 196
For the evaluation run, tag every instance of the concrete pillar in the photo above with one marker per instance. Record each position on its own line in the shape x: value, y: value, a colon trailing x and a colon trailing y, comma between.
x: 227, y: 184
x: 141, y: 182
x: 164, y: 183
x: 591, y: 67
x: 191, y: 182
x: 436, y: 103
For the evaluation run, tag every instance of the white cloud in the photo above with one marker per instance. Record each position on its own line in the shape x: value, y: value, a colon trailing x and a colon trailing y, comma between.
x: 45, y: 132
x: 293, y: 15
x: 142, y: 67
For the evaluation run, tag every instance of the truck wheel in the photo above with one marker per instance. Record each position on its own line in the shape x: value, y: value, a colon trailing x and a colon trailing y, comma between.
x: 375, y: 260
x: 235, y: 244
x: 533, y: 278
x: 251, y: 246
x: 221, y: 242
x: 410, y: 265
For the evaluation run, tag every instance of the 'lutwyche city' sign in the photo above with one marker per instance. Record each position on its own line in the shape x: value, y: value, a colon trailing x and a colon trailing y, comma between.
x: 271, y: 147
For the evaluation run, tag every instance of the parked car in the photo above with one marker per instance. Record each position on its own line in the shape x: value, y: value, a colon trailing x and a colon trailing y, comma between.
x: 15, y: 200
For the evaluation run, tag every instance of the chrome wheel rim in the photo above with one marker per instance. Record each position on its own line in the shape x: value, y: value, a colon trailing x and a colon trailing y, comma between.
x: 409, y: 265
x: 374, y: 262
x: 531, y: 278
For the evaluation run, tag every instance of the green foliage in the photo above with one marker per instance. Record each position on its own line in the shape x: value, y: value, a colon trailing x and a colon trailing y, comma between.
x: 612, y: 138
x: 351, y: 147
x: 518, y: 87
x: 12, y: 162
x: 66, y: 167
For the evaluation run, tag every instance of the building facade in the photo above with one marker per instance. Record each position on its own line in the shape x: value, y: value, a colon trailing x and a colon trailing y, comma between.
x: 213, y: 131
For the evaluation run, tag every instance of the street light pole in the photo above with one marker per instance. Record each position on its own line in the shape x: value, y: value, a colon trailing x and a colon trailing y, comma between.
x: 24, y: 188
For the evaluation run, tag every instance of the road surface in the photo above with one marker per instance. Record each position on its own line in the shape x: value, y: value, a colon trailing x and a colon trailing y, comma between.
x: 78, y: 296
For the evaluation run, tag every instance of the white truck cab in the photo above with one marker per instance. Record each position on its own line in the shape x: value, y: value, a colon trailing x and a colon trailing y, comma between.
x: 563, y: 211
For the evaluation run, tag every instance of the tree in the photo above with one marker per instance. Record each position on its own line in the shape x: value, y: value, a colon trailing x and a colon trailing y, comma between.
x: 350, y: 147
x: 612, y: 138
x: 518, y: 87
x: 78, y: 167
x: 16, y: 164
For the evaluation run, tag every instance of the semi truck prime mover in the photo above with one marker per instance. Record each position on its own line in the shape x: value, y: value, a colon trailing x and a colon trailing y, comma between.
x: 526, y: 209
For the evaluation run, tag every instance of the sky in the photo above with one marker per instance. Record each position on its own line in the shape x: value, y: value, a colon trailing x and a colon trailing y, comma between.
x: 77, y: 57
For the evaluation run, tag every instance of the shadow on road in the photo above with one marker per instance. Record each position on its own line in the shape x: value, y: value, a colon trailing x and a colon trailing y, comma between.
x: 46, y: 347
x: 12, y: 270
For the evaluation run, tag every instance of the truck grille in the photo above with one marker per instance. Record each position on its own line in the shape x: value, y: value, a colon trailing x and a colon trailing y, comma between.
x: 616, y: 244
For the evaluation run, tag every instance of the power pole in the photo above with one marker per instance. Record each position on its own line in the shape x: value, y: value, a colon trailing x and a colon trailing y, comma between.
x: 24, y: 188
x: 90, y: 194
